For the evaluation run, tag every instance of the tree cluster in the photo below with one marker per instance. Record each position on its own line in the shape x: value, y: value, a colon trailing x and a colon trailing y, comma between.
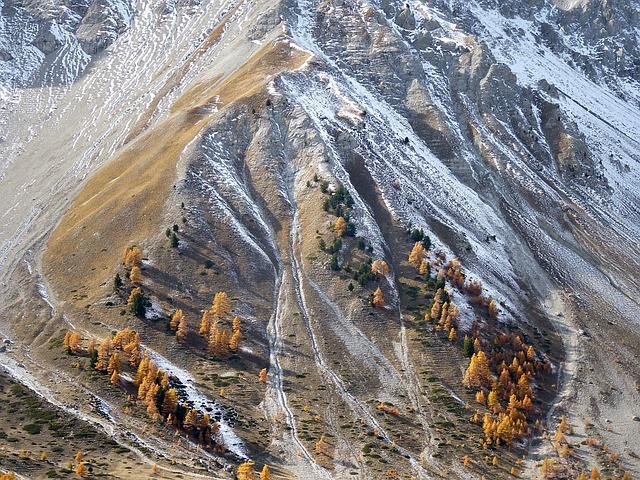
x: 220, y: 340
x: 153, y: 386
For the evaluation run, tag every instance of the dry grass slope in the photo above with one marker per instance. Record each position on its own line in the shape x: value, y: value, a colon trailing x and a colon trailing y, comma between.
x: 123, y: 202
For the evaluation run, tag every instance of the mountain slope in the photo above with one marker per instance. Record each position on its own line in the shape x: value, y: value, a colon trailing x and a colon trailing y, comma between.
x: 225, y: 139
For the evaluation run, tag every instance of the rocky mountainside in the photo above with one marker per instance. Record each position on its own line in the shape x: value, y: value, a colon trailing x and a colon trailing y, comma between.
x: 362, y: 239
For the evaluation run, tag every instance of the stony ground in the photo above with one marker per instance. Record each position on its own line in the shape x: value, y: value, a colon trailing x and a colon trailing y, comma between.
x: 225, y: 119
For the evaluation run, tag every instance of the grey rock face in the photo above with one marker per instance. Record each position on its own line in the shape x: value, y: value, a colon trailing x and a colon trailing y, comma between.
x: 405, y: 19
x: 103, y: 22
x: 49, y: 38
x: 44, y: 42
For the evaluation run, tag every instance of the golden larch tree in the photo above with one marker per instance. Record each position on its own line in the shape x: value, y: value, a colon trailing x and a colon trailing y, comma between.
x: 265, y: 474
x: 71, y: 341
x: 136, y: 276
x: 424, y: 267
x: 205, y: 323
x: 437, y: 305
x: 221, y: 305
x: 492, y: 308
x: 183, y: 327
x: 453, y: 334
x: 191, y: 419
x: 104, y: 354
x: 176, y: 318
x: 531, y: 353
x: 114, y: 363
x: 132, y: 349
x: 245, y: 471
x: 81, y: 469
x: 170, y: 402
x: 380, y: 268
x: 236, y: 324
x: 478, y: 373
x: 143, y: 369
x: 115, y: 377
x: 492, y: 401
x: 322, y: 447
x: 132, y: 257
x: 547, y: 468
x: 340, y: 226
x: 262, y: 376
x: 234, y: 342
x: 417, y: 255
x: 377, y: 300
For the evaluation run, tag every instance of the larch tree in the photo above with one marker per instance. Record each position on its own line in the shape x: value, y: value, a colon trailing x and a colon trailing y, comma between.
x: 78, y: 457
x: 205, y: 323
x: 104, y: 354
x: 340, y: 226
x: 114, y: 363
x: 136, y: 276
x: 246, y: 471
x: 595, y: 474
x: 377, y: 300
x: 132, y: 349
x: 176, y: 318
x: 221, y: 305
x: 170, y: 402
x: 132, y: 257
x: 71, y: 341
x: 547, y: 468
x: 434, y: 314
x: 265, y: 474
x: 262, y: 376
x: 81, y: 469
x: 492, y: 308
x: 219, y: 342
x: 453, y: 334
x: 236, y: 324
x: 424, y: 267
x: 236, y: 334
x: 531, y: 353
x: 181, y: 331
x: 417, y: 255
x: 234, y: 341
x: 492, y: 401
x: 380, y: 268
x: 322, y: 447
x: 477, y: 373
x: 143, y: 369
x: 115, y: 377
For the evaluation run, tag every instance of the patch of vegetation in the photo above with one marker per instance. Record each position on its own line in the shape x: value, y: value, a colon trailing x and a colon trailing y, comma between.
x: 32, y: 428
x: 363, y: 274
